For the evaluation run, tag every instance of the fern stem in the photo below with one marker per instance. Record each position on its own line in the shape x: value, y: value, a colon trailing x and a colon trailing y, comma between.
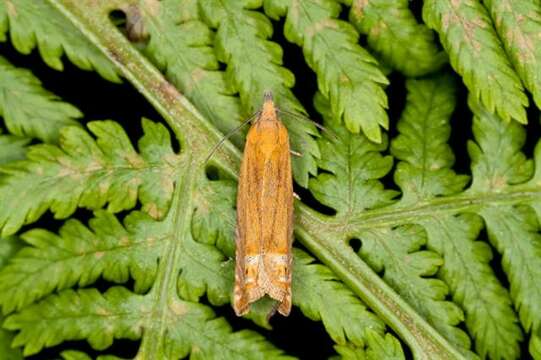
x: 91, y: 18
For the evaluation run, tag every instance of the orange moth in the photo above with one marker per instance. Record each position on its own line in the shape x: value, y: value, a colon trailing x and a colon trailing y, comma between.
x: 264, y: 214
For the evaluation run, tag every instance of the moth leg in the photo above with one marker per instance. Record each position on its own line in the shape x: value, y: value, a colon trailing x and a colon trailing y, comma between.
x: 296, y: 196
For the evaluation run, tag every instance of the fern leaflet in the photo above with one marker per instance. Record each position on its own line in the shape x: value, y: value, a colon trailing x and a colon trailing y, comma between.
x: 347, y: 74
x: 105, y: 170
x: 28, y: 109
x: 36, y: 23
x: 518, y: 24
x: 396, y: 37
x: 8, y: 247
x: 476, y: 53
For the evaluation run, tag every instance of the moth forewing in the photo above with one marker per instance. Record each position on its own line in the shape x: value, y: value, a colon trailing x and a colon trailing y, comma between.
x: 264, y: 215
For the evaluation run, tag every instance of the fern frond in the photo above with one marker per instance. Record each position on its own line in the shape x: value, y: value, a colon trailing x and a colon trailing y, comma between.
x: 74, y: 355
x: 425, y: 169
x: 518, y: 24
x: 379, y: 347
x: 497, y: 161
x: 347, y: 74
x: 89, y: 172
x: 351, y: 185
x: 398, y: 252
x: 214, y: 218
x: 387, y: 347
x: 8, y: 247
x: 12, y: 148
x: 536, y: 179
x: 497, y: 164
x: 535, y: 346
x: 119, y: 313
x: 476, y: 53
x: 254, y: 66
x: 320, y: 296
x: 79, y: 355
x: 396, y: 37
x: 36, y: 23
x: 424, y: 172
x: 340, y: 187
x: 28, y: 109
x: 490, y: 317
x: 180, y: 44
x: 6, y: 338
x: 79, y: 255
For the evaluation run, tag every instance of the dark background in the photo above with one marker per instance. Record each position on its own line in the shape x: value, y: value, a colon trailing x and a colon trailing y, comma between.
x: 99, y: 99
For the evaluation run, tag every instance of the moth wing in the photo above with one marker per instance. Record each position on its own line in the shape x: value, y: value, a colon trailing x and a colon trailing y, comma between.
x: 248, y: 244
x: 278, y: 226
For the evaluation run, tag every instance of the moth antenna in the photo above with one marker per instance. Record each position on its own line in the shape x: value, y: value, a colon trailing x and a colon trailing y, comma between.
x: 305, y: 118
x: 229, y: 134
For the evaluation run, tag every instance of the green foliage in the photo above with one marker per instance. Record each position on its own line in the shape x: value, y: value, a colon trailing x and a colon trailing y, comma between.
x: 535, y: 347
x: 180, y: 44
x: 36, y: 23
x: 80, y: 255
x: 380, y: 348
x: 476, y: 53
x: 28, y: 109
x: 97, y: 171
x: 512, y: 228
x: 12, y: 148
x: 450, y: 262
x: 396, y: 37
x: 518, y: 24
x: 78, y: 355
x: 424, y: 173
x: 312, y: 284
x: 351, y: 186
x: 347, y: 74
x: 8, y: 247
x: 191, y: 328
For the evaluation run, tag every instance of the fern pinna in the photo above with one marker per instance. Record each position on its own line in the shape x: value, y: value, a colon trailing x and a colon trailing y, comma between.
x: 399, y: 253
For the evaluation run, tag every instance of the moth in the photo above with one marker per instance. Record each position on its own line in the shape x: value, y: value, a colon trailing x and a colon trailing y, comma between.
x: 264, y: 214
